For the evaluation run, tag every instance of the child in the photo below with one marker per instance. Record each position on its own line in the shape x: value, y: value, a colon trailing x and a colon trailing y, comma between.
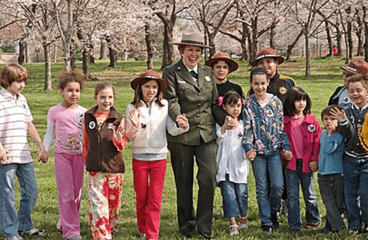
x: 222, y: 65
x: 303, y: 132
x: 103, y: 141
x: 15, y: 156
x: 232, y: 165
x: 146, y: 126
x: 355, y: 157
x: 330, y: 172
x: 356, y: 66
x: 264, y: 138
x: 64, y: 122
x: 270, y: 60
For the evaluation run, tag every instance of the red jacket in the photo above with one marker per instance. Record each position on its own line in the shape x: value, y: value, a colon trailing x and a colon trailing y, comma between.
x: 311, y: 132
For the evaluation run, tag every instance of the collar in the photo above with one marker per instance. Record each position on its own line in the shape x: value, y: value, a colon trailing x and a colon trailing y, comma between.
x: 113, y: 112
x: 308, y: 118
x: 356, y: 106
x: 8, y: 95
x: 195, y: 69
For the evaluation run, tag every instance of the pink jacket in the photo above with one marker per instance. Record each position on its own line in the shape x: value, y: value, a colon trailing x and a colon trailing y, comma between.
x: 311, y: 132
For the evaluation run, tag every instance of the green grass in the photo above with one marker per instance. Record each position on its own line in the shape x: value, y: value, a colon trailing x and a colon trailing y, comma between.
x: 326, y: 76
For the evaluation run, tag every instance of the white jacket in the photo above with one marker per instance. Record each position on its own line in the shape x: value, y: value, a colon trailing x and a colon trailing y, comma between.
x: 151, y: 135
x: 230, y: 157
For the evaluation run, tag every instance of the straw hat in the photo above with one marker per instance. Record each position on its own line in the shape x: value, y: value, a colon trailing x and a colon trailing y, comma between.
x: 192, y: 38
x: 148, y: 75
x: 357, y: 66
x: 267, y: 52
x: 220, y: 56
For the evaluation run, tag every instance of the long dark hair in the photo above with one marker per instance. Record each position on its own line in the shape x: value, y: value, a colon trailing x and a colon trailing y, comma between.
x: 138, y: 95
x: 296, y: 94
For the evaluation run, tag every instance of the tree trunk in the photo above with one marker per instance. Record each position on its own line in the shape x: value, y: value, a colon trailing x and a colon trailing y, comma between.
x: 292, y: 45
x: 307, y: 54
x: 253, y: 45
x: 168, y: 49
x: 211, y: 43
x: 112, y: 57
x: 329, y: 39
x: 365, y: 12
x: 103, y: 49
x: 73, y: 57
x: 47, y: 53
x: 350, y: 39
x: 28, y: 59
x: 338, y: 41
x: 22, y: 50
x: 147, y: 28
x: 272, y: 35
x: 86, y: 61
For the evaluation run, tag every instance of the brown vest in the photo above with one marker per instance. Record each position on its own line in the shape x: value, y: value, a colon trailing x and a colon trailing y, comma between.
x: 102, y: 155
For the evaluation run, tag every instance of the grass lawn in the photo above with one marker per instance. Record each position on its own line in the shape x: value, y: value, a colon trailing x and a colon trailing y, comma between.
x: 326, y: 77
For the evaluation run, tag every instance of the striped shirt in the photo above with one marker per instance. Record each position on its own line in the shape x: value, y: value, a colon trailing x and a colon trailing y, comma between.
x: 14, y: 118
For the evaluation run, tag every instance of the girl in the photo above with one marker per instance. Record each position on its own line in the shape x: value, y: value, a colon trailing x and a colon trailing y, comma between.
x: 303, y: 132
x: 264, y: 138
x: 232, y: 165
x: 64, y: 122
x: 146, y: 127
x: 103, y: 140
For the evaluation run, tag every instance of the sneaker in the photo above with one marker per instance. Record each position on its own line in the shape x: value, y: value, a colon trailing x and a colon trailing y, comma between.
x: 365, y: 229
x: 267, y: 229
x: 142, y: 235
x: 354, y: 231
x: 243, y: 225
x: 16, y: 237
x: 234, y: 230
x: 312, y: 226
x: 32, y: 232
x: 74, y: 238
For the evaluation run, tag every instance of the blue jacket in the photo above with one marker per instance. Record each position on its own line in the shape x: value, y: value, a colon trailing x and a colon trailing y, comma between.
x: 264, y: 126
x: 331, y: 153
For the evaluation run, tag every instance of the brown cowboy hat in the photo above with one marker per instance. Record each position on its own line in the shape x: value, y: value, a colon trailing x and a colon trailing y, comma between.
x: 357, y: 66
x: 192, y: 38
x: 148, y: 75
x: 220, y: 56
x: 267, y: 52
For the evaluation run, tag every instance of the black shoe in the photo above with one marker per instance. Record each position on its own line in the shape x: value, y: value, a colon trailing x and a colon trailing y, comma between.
x: 275, y: 221
x: 206, y: 235
x: 188, y: 233
x: 294, y: 230
x: 365, y: 229
x: 326, y: 230
x: 267, y: 229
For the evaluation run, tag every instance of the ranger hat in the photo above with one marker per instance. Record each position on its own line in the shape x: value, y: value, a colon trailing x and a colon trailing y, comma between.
x: 357, y: 66
x: 220, y: 56
x: 192, y: 38
x: 148, y: 75
x: 267, y: 52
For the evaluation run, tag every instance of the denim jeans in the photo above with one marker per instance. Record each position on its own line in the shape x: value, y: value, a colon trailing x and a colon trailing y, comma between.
x: 267, y: 172
x: 234, y: 197
x: 331, y: 187
x: 10, y: 221
x: 355, y: 185
x: 306, y: 180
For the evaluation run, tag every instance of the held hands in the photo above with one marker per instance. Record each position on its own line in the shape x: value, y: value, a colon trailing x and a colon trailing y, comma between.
x: 3, y: 154
x: 313, y: 166
x: 287, y: 155
x: 338, y: 114
x: 182, y: 121
x: 251, y: 155
x: 42, y: 156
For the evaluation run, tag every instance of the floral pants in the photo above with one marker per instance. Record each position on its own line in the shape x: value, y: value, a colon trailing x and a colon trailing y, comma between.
x: 104, y: 193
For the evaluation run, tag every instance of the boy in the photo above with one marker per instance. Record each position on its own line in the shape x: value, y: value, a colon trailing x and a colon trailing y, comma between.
x: 269, y: 60
x: 355, y: 158
x: 15, y: 156
x: 222, y: 65
x: 330, y: 172
x: 356, y: 66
